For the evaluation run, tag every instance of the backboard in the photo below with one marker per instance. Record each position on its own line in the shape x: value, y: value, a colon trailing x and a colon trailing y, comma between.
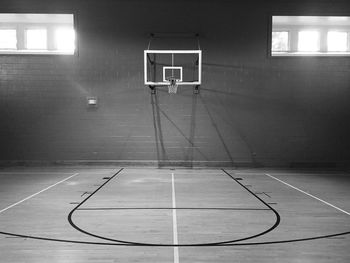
x: 162, y: 65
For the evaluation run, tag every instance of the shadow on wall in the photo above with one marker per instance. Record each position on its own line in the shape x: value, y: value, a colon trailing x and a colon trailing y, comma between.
x: 237, y: 130
x: 162, y: 154
x: 157, y: 125
x: 192, y: 153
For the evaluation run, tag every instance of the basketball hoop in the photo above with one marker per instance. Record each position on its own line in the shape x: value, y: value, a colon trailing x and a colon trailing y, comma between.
x: 172, y: 87
x: 170, y: 69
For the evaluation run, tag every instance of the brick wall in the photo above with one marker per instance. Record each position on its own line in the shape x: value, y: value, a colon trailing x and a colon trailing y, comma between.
x: 252, y: 109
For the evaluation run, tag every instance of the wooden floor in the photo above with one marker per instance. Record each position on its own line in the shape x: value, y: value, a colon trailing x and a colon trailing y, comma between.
x: 166, y: 215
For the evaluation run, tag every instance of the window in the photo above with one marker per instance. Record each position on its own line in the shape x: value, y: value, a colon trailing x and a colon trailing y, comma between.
x: 37, y: 34
x: 337, y: 41
x: 36, y: 39
x: 280, y: 41
x: 308, y: 41
x: 65, y: 39
x: 310, y: 36
x: 8, y: 39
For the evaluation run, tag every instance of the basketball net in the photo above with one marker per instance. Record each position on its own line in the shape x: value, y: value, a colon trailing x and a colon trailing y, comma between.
x: 172, y: 87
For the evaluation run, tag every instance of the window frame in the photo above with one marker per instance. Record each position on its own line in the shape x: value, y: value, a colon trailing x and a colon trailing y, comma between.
x: 50, y: 27
x: 293, y: 32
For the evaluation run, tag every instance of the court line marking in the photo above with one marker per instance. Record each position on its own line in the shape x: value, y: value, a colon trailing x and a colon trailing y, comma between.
x: 175, y: 239
x: 41, y: 191
x: 171, y: 208
x: 319, y: 199
x: 295, y: 173
x: 6, y: 173
x: 124, y: 242
x: 152, y: 245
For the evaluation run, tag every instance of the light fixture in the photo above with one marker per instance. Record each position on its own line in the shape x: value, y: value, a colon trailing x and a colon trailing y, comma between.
x: 92, y: 101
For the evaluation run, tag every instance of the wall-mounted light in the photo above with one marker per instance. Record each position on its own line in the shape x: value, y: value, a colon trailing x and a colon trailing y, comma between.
x: 92, y: 101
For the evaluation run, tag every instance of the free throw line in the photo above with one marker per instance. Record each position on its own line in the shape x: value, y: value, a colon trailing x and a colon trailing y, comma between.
x: 175, y: 239
x: 319, y: 199
x: 41, y: 191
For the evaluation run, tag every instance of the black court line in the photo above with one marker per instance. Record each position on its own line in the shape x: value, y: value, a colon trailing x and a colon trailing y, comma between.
x: 128, y: 245
x: 172, y: 208
x: 269, y: 196
x: 288, y: 240
x: 282, y: 241
x: 342, y: 234
x: 67, y: 240
x: 276, y: 223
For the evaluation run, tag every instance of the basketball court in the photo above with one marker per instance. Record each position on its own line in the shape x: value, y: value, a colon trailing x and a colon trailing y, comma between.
x: 174, y: 131
x: 173, y: 215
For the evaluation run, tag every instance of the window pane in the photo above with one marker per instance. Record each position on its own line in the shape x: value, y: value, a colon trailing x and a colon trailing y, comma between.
x: 29, y: 33
x: 8, y: 39
x: 280, y: 41
x: 309, y: 41
x: 310, y: 36
x: 337, y: 41
x: 36, y: 39
x: 65, y: 39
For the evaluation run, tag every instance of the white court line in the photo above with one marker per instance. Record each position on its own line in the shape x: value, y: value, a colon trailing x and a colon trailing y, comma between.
x: 339, y: 209
x: 175, y: 240
x: 6, y: 173
x: 47, y: 188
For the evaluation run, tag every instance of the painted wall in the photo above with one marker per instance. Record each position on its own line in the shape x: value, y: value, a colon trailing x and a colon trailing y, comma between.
x: 252, y: 109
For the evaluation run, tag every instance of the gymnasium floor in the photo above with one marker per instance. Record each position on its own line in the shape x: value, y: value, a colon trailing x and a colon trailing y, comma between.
x: 173, y: 215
